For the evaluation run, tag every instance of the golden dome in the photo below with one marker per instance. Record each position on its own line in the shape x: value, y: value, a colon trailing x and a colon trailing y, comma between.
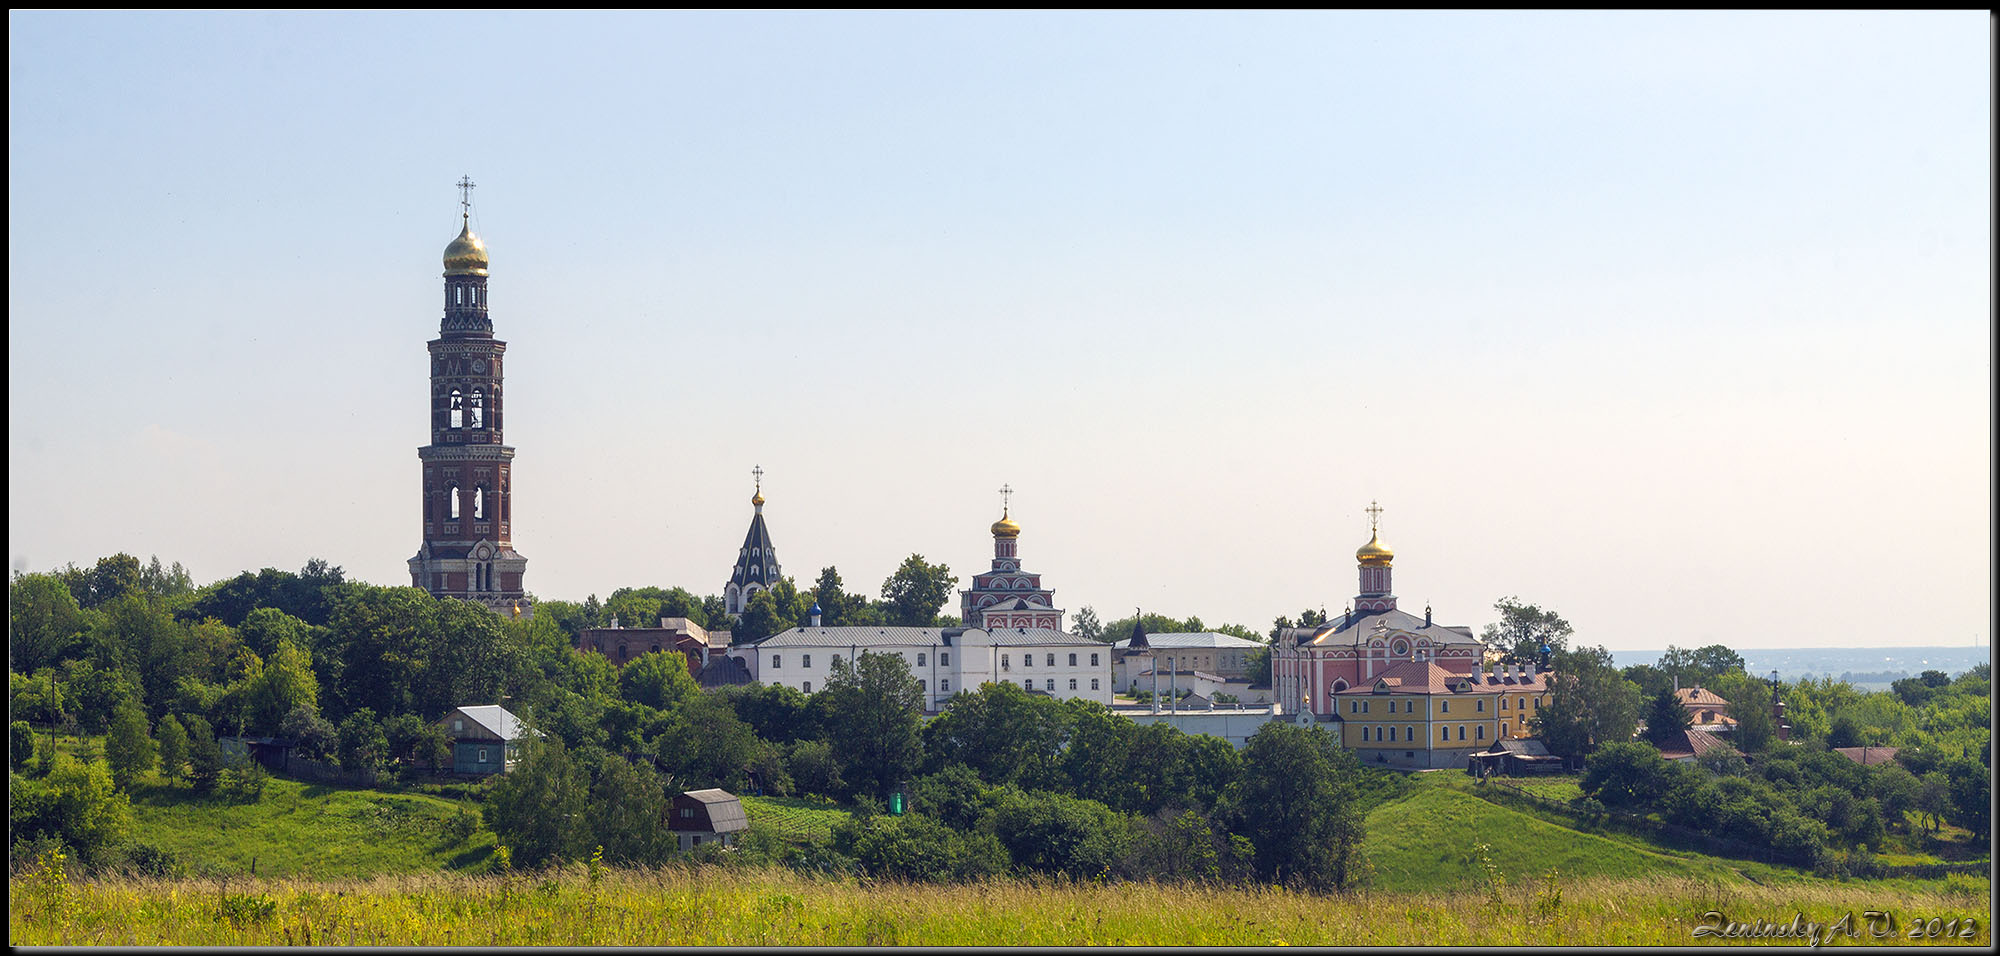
x: 1375, y: 553
x: 466, y: 256
x: 1006, y: 527
x: 758, y: 498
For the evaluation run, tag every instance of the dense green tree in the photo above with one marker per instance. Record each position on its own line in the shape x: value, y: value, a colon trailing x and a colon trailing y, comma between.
x: 264, y: 628
x: 874, y: 711
x: 814, y: 769
x: 1590, y: 704
x: 1971, y: 788
x: 364, y: 746
x: 127, y: 747
x: 1526, y: 634
x: 1750, y: 706
x: 659, y: 680
x: 315, y: 738
x: 1845, y: 732
x: 285, y: 683
x: 1650, y: 680
x: 1048, y: 832
x: 704, y: 744
x: 955, y: 796
x: 1187, y: 846
x: 760, y: 619
x: 204, y: 754
x: 90, y: 692
x: 999, y: 730
x: 1626, y: 774
x: 382, y: 640
x: 628, y: 809
x: 541, y: 810
x: 44, y: 622
x: 473, y: 658
x: 173, y: 739
x: 20, y: 745
x: 777, y: 713
x: 1699, y: 666
x: 413, y: 742
x: 913, y: 596
x: 1257, y: 667
x: 918, y: 848
x: 1297, y: 806
x: 1665, y: 718
x: 75, y: 803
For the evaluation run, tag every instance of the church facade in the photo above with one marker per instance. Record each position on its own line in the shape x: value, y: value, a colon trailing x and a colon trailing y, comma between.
x: 1312, y: 666
x: 1004, y: 595
x: 468, y: 489
x: 757, y: 567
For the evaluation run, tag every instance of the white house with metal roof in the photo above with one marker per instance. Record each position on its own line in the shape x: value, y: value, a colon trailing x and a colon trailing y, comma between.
x: 944, y: 661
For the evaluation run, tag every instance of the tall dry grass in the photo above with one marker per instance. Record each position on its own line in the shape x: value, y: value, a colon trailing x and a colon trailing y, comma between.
x: 714, y: 906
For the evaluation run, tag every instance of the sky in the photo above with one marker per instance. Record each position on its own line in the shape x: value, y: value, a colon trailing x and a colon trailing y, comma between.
x: 1677, y: 324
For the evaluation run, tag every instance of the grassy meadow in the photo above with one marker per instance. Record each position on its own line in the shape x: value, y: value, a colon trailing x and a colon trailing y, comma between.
x: 686, y: 906
x: 307, y: 830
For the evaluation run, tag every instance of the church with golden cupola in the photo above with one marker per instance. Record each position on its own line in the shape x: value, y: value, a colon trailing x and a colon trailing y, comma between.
x: 468, y: 489
x: 1310, y: 665
x: 757, y: 567
x: 1004, y: 595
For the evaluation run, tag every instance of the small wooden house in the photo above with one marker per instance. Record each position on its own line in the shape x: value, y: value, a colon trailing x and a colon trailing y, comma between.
x: 484, y: 738
x: 707, y: 816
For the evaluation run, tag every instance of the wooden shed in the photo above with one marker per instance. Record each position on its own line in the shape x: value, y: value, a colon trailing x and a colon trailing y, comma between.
x: 707, y: 816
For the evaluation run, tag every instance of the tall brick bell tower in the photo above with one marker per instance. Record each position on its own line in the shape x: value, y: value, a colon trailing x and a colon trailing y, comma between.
x: 468, y: 500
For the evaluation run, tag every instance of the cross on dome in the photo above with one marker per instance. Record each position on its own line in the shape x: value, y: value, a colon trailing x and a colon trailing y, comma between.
x: 465, y: 186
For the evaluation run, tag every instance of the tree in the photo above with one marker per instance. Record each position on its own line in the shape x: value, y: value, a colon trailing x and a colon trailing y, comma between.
x: 1626, y: 774
x: 629, y: 805
x: 20, y: 745
x: 1590, y: 704
x: 285, y: 684
x: 44, y: 622
x: 913, y: 595
x: 1086, y: 624
x: 1000, y: 731
x: 760, y: 619
x: 1307, y: 618
x: 76, y: 804
x: 1750, y: 705
x: 659, y: 680
x: 1297, y: 805
x: 1057, y: 833
x: 173, y: 740
x: 363, y: 745
x: 1526, y: 633
x: 1665, y: 718
x: 540, y: 809
x: 204, y: 755
x: 315, y: 738
x: 873, y: 710
x: 1699, y: 666
x: 127, y: 747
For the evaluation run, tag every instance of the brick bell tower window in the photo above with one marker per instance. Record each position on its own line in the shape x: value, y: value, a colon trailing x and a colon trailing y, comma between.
x: 454, y: 502
x: 479, y: 502
x: 457, y: 409
x: 478, y: 409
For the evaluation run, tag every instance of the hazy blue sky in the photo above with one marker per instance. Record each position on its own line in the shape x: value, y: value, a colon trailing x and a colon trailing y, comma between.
x: 1679, y: 324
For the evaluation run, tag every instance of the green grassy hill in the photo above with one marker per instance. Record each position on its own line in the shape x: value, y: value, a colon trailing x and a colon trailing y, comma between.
x: 1429, y: 841
x: 306, y: 830
x: 798, y: 819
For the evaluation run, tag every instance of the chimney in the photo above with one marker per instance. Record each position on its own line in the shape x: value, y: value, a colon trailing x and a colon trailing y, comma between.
x: 1531, y: 670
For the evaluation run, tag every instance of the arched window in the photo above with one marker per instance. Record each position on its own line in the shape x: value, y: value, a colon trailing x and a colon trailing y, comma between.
x: 920, y: 658
x: 479, y: 502
x: 453, y: 492
x: 478, y: 409
x: 1444, y: 733
x: 457, y: 409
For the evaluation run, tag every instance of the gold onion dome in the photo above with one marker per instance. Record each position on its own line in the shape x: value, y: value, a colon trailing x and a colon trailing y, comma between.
x: 1375, y: 553
x: 758, y: 498
x: 1006, y: 527
x: 466, y: 256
